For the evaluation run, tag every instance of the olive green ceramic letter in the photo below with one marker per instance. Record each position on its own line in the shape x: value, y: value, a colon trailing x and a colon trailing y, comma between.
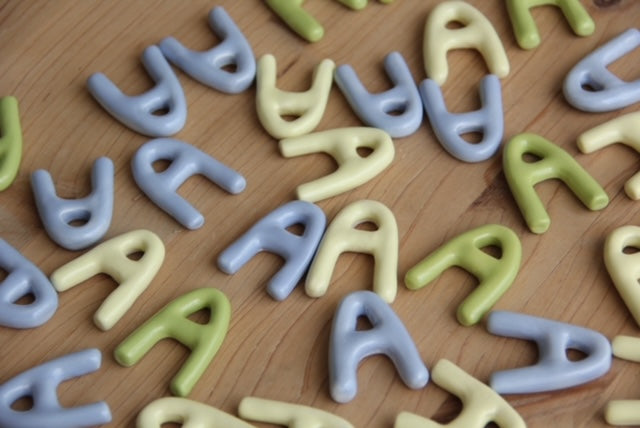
x: 172, y: 322
x: 554, y: 162
x: 495, y: 275
x: 297, y: 18
x: 10, y: 141
x: 525, y: 27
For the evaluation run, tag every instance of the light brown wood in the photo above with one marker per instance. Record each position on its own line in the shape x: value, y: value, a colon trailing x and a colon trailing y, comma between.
x: 278, y: 350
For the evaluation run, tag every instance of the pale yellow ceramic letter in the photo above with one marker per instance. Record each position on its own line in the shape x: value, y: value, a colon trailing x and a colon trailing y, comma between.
x: 476, y: 33
x: 624, y: 412
x: 110, y: 257
x: 480, y: 404
x: 626, y: 348
x: 624, y: 129
x: 308, y: 107
x: 342, y: 144
x: 624, y: 269
x: 342, y: 236
x: 188, y: 413
x: 288, y: 415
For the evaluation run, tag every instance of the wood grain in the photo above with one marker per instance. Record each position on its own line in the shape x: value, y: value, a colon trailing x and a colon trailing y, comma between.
x: 279, y: 350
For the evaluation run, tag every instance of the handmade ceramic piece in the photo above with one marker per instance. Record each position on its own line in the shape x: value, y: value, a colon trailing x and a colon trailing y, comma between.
x: 348, y: 346
x: 58, y: 214
x: 626, y: 348
x: 23, y: 279
x: 477, y: 33
x: 298, y: 19
x: 342, y: 145
x: 186, y: 412
x: 288, y: 414
x: 137, y: 112
x: 495, y: 275
x: 480, y: 404
x: 554, y: 370
x: 186, y: 161
x: 591, y: 86
x: 208, y: 67
x: 622, y: 412
x: 624, y: 269
x: 449, y: 127
x: 623, y: 129
x: 525, y: 28
x: 342, y: 235
x: 554, y: 162
x: 378, y: 110
x: 273, y: 104
x: 111, y: 258
x: 10, y: 141
x: 40, y: 383
x: 271, y: 234
x: 172, y: 322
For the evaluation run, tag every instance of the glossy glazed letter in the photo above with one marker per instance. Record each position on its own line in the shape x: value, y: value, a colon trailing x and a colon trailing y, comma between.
x: 342, y: 236
x: 348, y: 346
x: 57, y: 214
x: 480, y: 404
x: 271, y: 234
x: 110, y: 257
x: 495, y: 275
x: 342, y: 144
x: 554, y: 370
x: 554, y: 162
x: 172, y: 322
x: 137, y: 112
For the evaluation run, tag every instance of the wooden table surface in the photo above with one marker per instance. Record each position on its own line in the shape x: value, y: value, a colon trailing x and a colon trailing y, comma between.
x: 278, y: 350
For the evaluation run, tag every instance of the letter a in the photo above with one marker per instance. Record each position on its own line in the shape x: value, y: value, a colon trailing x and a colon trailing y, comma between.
x: 271, y: 234
x: 525, y: 28
x: 554, y: 163
x: 40, y: 383
x: 172, y: 322
x: 348, y: 346
x: 554, y: 370
x: 137, y: 112
x: 342, y: 145
x: 110, y: 257
x: 273, y: 103
x: 187, y: 413
x: 342, y: 236
x: 477, y: 33
x: 57, y: 214
x: 495, y: 274
x: 24, y: 278
x: 624, y: 268
x: 623, y: 129
x: 480, y: 404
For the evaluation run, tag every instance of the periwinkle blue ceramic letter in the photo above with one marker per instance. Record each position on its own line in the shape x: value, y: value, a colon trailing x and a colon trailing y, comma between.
x: 554, y: 370
x: 449, y: 127
x: 186, y: 161
x: 207, y: 67
x: 24, y: 278
x: 347, y: 346
x: 137, y: 112
x: 376, y: 109
x: 271, y: 234
x: 57, y: 214
x: 40, y: 384
x: 609, y: 91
